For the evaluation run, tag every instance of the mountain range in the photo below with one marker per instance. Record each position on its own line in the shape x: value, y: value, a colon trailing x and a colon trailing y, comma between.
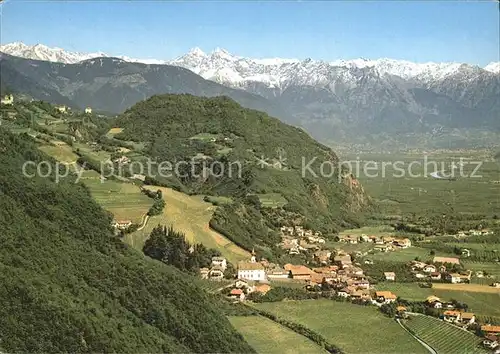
x: 348, y: 101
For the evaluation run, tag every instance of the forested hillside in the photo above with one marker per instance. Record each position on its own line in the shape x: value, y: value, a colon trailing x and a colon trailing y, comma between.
x: 67, y: 285
x: 256, y: 161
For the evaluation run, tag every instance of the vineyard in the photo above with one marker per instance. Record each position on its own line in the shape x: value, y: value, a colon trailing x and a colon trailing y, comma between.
x: 444, y: 337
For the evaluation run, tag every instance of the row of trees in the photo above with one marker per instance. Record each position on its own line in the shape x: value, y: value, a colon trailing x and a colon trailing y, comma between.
x: 158, y: 204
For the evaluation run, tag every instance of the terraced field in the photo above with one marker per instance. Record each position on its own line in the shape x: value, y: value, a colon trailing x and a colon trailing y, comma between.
x: 124, y: 200
x: 443, y: 337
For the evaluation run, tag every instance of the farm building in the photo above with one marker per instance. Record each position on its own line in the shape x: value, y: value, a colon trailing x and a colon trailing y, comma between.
x: 299, y: 271
x: 237, y: 294
x: 490, y: 329
x: 122, y: 224
x: 385, y: 296
x: 390, y: 276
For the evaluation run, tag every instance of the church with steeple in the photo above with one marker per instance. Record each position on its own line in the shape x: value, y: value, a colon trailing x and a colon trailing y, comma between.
x: 251, y: 270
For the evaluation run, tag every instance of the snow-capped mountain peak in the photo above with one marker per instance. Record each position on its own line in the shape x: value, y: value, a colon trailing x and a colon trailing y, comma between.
x: 493, y: 67
x: 232, y: 70
x: 197, y: 52
x: 42, y: 52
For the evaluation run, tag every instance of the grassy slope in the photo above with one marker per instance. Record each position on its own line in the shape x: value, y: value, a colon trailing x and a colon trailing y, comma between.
x: 63, y: 152
x: 190, y: 215
x: 354, y: 328
x: 268, y: 337
x: 68, y: 286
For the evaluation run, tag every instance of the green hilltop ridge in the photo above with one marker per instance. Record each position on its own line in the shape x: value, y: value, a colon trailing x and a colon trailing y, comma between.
x: 266, y: 195
x: 69, y: 285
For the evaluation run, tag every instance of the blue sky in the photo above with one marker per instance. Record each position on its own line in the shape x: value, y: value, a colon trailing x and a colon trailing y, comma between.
x: 418, y: 31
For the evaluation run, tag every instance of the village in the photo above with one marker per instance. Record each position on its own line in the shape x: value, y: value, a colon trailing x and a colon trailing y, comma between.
x: 338, y: 274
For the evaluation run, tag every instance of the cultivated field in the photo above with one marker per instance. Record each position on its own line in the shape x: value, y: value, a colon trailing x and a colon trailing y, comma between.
x: 489, y: 267
x: 400, y: 195
x: 60, y: 152
x: 406, y: 255
x: 475, y: 288
x: 268, y: 337
x: 272, y: 200
x: 84, y: 149
x: 481, y: 303
x: 113, y: 131
x: 443, y: 337
x: 370, y: 230
x: 354, y: 328
x: 191, y: 215
x: 124, y: 200
x: 219, y: 200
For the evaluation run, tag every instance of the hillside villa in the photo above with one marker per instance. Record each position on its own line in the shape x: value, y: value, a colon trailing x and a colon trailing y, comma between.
x: 122, y: 160
x: 237, y: 294
x: 219, y: 262
x: 456, y: 278
x: 385, y: 296
x: 216, y: 273
x: 451, y: 316
x: 434, y: 301
x: 491, y: 341
x: 390, y: 276
x: 122, y: 224
x: 62, y: 108
x: 7, y: 100
x: 429, y: 268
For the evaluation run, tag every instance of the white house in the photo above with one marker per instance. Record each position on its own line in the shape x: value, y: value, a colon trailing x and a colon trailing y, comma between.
x: 7, y: 100
x: 277, y: 273
x: 88, y: 110
x: 429, y: 268
x: 390, y: 276
x: 219, y: 262
x: 62, y: 108
x: 251, y: 271
x: 122, y: 224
